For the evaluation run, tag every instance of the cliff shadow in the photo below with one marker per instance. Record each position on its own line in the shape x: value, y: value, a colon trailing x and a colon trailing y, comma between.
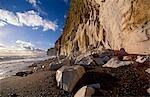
x: 106, y: 81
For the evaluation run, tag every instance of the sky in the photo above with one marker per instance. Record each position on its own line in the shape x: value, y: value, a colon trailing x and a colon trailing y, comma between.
x: 31, y: 24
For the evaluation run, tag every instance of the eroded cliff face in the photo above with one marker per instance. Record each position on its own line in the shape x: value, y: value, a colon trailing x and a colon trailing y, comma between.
x: 108, y: 24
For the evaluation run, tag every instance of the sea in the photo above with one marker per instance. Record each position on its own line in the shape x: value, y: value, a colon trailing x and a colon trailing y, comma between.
x: 10, y: 65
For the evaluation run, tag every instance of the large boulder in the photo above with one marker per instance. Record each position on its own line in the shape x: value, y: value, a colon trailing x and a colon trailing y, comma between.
x: 101, y: 60
x: 142, y: 59
x: 86, y: 61
x: 127, y: 58
x: 23, y: 73
x: 55, y: 66
x: 85, y: 91
x: 95, y: 86
x: 94, y: 58
x: 68, y: 76
x: 148, y: 90
x: 103, y: 57
x: 148, y: 70
x: 115, y: 62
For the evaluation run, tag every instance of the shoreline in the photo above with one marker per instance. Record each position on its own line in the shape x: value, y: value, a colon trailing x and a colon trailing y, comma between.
x: 9, y: 68
x: 125, y: 80
x: 40, y: 82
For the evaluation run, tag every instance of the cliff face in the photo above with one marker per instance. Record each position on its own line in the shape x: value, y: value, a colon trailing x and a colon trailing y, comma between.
x: 51, y: 52
x: 108, y: 24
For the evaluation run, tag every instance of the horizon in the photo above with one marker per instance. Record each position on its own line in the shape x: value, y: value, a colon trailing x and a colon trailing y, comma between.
x: 29, y: 26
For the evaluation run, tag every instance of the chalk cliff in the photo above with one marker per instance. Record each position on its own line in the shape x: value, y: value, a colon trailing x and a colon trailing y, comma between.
x: 106, y: 24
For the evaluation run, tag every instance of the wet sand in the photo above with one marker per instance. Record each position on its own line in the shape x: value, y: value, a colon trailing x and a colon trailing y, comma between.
x: 41, y: 83
x: 11, y: 67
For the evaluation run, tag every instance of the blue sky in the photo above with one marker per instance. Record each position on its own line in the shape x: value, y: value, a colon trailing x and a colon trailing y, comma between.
x: 38, y: 23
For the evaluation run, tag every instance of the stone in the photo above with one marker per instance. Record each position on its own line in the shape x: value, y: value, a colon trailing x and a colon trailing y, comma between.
x: 35, y: 68
x: 102, y: 61
x: 33, y: 65
x: 99, y: 61
x: 142, y: 59
x: 115, y: 63
x: 43, y: 67
x: 147, y: 70
x: 13, y: 95
x: 148, y: 90
x: 55, y: 66
x: 85, y: 61
x: 85, y: 91
x: 23, y: 73
x: 68, y: 76
x: 127, y: 58
x: 95, y: 86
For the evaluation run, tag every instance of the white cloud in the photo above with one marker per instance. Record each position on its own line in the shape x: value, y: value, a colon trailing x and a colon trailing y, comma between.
x: 23, y: 45
x: 50, y: 44
x: 20, y: 48
x: 32, y: 19
x: 2, y: 24
x: 65, y: 16
x: 35, y: 28
x: 33, y: 2
x: 26, y: 46
x: 61, y: 30
x: 29, y: 18
x: 9, y: 17
x: 2, y: 45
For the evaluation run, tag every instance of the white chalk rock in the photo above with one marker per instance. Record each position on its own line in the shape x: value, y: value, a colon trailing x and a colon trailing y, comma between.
x: 85, y: 91
x: 115, y: 63
x: 68, y: 76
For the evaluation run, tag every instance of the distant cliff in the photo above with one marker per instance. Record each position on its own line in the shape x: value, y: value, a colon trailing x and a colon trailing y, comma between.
x: 108, y: 24
x: 51, y: 52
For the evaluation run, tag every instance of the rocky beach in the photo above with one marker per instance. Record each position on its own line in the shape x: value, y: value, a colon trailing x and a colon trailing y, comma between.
x: 104, y: 51
x: 64, y: 78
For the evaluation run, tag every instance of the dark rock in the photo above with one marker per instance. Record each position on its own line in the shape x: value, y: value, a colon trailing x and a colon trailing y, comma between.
x: 13, y: 95
x: 95, y: 86
x: 102, y: 60
x: 33, y: 65
x: 23, y: 73
x: 85, y: 61
x: 55, y: 66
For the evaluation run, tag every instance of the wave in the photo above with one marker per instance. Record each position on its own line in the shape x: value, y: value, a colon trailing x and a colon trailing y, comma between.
x: 11, y: 67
